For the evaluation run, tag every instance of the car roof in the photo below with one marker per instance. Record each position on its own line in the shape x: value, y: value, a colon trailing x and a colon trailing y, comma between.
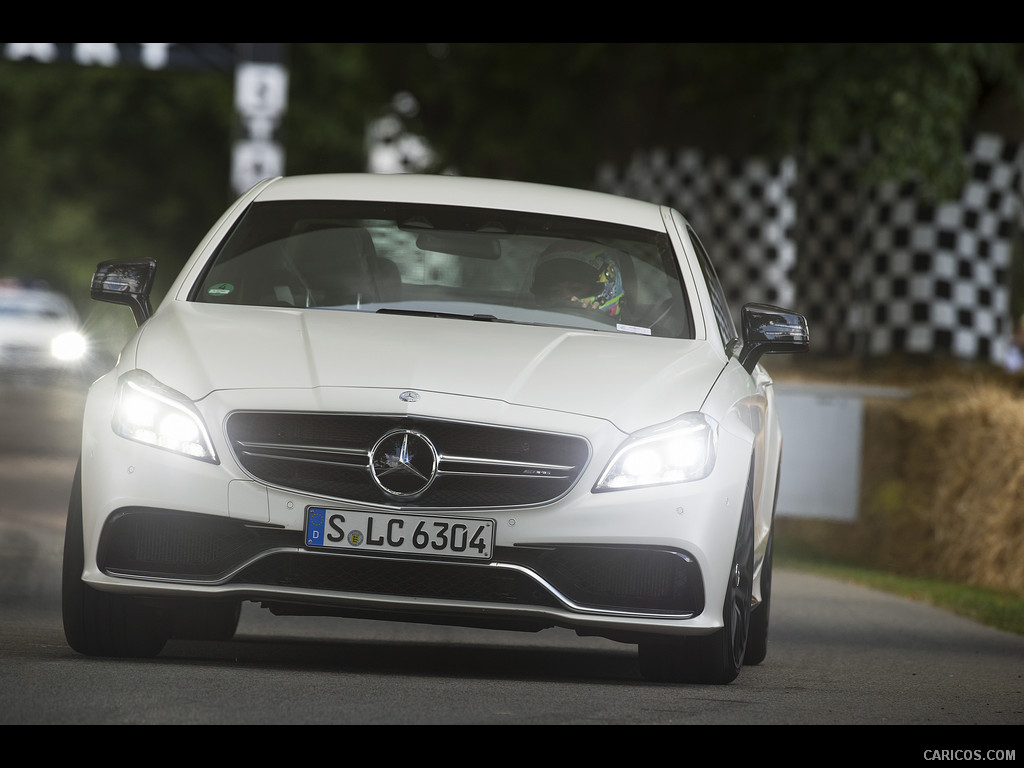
x: 470, y: 192
x: 36, y: 303
x: 12, y: 293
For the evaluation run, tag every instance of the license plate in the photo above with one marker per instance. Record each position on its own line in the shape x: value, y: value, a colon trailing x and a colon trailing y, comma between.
x: 386, y: 532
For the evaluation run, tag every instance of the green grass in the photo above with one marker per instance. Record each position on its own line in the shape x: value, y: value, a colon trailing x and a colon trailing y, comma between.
x: 1000, y: 610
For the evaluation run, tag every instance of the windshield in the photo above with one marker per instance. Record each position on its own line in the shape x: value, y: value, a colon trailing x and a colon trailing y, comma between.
x: 35, y: 304
x: 437, y: 260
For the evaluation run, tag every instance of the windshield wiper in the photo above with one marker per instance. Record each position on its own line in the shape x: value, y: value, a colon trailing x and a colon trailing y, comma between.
x: 450, y: 315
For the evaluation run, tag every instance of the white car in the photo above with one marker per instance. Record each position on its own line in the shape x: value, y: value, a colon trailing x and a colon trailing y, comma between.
x: 435, y: 400
x: 40, y: 332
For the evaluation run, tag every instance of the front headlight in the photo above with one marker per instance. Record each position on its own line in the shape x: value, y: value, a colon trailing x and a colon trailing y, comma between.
x: 69, y: 346
x: 150, y: 413
x: 678, y: 452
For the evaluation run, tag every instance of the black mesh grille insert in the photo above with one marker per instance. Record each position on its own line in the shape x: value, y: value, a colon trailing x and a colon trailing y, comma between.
x: 480, y: 466
x: 181, y: 545
x: 633, y: 580
x: 617, y: 578
x: 174, y: 545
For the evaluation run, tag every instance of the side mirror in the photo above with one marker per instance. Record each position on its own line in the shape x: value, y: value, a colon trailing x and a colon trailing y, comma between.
x: 126, y: 281
x: 768, y: 329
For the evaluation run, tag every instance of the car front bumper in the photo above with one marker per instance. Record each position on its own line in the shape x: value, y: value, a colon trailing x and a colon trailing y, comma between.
x: 617, y: 564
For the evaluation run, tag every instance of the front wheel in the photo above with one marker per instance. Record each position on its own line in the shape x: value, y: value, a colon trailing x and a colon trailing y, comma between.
x: 716, y: 658
x: 100, y: 623
x: 757, y: 641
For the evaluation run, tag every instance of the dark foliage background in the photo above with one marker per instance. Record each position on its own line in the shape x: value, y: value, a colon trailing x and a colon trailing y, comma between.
x: 100, y: 163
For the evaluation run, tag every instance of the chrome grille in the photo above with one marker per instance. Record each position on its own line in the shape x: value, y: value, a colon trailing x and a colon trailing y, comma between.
x: 478, y: 466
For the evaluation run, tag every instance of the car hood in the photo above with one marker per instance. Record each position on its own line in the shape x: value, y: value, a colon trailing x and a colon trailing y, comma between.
x: 630, y: 380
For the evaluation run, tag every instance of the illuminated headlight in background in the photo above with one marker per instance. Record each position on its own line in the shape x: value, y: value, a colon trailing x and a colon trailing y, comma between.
x: 68, y: 346
x: 678, y: 452
x: 150, y: 413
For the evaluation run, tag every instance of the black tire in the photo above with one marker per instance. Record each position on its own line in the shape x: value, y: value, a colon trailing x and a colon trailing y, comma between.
x: 721, y: 654
x: 757, y: 640
x: 101, y: 623
x: 716, y: 658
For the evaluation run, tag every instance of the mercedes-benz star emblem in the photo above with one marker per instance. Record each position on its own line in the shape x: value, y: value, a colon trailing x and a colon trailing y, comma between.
x: 403, y: 463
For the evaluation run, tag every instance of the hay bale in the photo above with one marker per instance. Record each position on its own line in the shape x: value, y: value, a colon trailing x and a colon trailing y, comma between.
x: 966, y: 468
x: 942, y: 491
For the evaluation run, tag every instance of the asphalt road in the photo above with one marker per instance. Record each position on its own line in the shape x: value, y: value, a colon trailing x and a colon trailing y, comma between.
x: 838, y: 654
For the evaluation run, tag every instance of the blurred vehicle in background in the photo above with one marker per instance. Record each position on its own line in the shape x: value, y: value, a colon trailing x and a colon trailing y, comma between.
x: 40, y: 332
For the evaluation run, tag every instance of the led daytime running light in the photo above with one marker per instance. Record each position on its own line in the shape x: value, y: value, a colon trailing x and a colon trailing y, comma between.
x: 150, y: 413
x: 680, y: 452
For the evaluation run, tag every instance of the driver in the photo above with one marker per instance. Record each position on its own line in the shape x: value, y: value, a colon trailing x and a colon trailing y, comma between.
x: 587, y: 277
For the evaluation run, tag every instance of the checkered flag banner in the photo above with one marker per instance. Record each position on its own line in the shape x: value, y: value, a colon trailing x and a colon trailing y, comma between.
x: 876, y: 270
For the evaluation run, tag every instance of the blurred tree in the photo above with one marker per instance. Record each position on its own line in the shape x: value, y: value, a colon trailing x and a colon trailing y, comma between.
x: 107, y: 163
x: 102, y: 163
x: 335, y: 89
x: 553, y: 111
x: 914, y: 102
